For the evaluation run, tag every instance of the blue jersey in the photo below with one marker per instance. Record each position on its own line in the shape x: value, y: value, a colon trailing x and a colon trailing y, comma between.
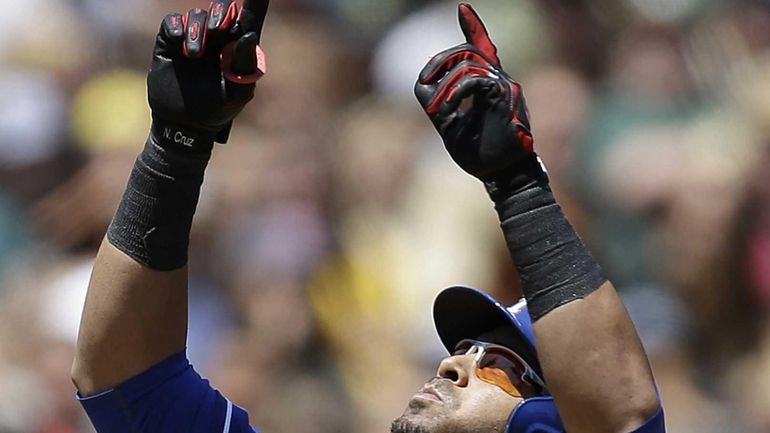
x: 170, y: 397
x: 656, y: 424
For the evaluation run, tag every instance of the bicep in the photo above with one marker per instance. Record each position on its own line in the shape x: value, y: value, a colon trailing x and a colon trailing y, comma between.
x: 133, y: 318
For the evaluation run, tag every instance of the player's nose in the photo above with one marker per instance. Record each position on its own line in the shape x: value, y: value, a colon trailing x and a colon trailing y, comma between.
x: 456, y: 369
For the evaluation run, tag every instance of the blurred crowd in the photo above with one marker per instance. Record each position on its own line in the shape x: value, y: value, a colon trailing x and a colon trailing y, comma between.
x: 333, y: 216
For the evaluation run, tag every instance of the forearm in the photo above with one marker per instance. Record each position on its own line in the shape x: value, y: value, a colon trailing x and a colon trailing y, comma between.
x: 590, y: 353
x: 203, y: 70
x: 153, y: 221
x: 136, y: 308
x: 133, y: 318
x: 595, y: 365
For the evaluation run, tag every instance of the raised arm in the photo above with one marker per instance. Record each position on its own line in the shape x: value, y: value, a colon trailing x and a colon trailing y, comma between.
x: 204, y: 67
x: 591, y: 355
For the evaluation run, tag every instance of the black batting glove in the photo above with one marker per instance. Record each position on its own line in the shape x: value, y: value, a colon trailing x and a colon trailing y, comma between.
x: 204, y: 67
x: 491, y: 139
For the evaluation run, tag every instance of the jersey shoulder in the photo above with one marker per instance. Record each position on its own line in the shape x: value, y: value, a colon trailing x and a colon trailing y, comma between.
x: 170, y: 397
x: 656, y: 424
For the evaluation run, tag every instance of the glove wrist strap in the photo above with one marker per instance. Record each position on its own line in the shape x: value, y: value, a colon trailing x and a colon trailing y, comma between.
x: 172, y: 136
x: 523, y: 174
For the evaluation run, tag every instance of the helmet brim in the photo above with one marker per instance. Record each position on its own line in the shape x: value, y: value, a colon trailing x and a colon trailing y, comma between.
x: 461, y: 312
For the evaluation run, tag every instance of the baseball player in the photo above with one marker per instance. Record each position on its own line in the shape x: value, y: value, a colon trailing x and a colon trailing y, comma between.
x: 588, y: 372
x: 131, y: 368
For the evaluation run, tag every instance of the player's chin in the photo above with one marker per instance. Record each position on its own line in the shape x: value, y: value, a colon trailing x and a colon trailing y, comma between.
x: 420, y: 416
x: 412, y: 423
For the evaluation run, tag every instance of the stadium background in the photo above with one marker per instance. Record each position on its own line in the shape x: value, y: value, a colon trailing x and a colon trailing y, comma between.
x: 333, y: 216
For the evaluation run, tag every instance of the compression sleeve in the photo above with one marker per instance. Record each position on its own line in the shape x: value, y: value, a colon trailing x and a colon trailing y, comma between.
x: 170, y: 397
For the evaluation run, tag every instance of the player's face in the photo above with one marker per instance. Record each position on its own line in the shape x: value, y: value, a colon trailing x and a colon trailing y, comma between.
x: 457, y: 401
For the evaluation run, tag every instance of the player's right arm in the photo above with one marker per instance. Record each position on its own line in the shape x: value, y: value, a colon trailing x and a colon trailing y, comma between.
x: 591, y: 356
x: 204, y: 67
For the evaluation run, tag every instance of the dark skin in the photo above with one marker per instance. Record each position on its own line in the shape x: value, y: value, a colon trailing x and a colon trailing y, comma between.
x: 592, y: 358
x: 456, y: 400
x: 135, y: 316
x: 596, y: 366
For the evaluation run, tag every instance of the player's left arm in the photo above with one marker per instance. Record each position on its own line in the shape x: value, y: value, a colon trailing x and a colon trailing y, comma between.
x: 591, y: 356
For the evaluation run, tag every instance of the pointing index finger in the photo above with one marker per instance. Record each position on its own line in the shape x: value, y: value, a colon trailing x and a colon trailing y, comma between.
x: 252, y: 16
x: 476, y: 33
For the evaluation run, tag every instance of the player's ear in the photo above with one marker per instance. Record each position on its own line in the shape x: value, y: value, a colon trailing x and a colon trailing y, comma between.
x: 475, y: 32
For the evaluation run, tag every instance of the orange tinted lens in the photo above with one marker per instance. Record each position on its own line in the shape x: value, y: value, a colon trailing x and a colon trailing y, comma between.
x: 504, y: 373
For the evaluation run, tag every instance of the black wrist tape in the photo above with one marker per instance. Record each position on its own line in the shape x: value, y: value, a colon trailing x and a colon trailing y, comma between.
x: 152, y: 223
x: 554, y: 266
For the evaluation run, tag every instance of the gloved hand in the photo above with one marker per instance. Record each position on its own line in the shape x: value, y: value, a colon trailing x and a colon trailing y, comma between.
x: 203, y: 71
x: 489, y: 139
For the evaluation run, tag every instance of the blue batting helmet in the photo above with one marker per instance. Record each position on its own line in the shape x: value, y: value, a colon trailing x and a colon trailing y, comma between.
x: 464, y: 312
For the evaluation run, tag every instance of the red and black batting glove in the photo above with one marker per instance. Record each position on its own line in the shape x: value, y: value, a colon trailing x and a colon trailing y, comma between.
x: 491, y: 137
x: 204, y: 67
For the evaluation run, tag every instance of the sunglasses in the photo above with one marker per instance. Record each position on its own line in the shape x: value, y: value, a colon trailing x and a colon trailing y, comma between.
x: 502, y: 367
